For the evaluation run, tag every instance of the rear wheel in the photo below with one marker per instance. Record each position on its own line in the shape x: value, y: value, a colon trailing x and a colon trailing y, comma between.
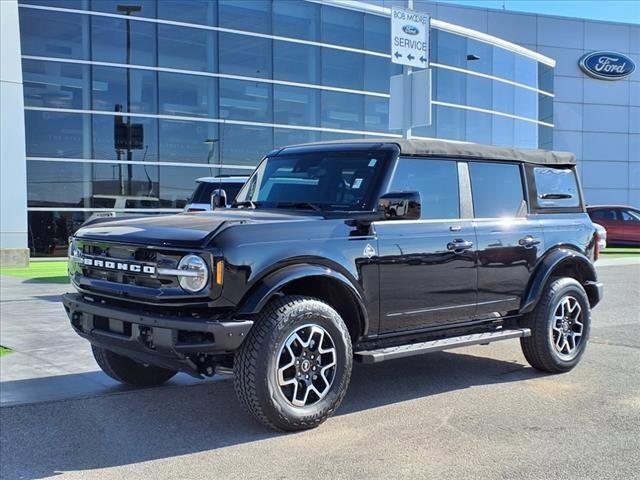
x: 560, y: 327
x: 293, y: 369
x: 128, y: 371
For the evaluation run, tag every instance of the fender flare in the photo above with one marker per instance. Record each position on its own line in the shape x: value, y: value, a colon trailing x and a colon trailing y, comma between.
x: 551, y: 262
x: 267, y: 287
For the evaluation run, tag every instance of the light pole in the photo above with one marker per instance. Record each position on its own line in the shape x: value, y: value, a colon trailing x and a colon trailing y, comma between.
x: 128, y: 10
x: 212, y: 142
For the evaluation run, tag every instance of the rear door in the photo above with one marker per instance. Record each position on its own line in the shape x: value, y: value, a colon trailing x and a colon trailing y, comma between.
x: 424, y: 279
x: 509, y: 241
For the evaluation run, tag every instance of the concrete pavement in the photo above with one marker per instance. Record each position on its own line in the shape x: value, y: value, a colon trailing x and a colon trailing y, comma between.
x: 477, y: 412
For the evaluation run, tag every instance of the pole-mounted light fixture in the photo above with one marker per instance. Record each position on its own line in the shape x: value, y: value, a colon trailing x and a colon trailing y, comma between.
x: 129, y: 9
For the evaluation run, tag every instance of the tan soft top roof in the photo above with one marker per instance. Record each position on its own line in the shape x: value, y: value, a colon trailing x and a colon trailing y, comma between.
x: 436, y: 148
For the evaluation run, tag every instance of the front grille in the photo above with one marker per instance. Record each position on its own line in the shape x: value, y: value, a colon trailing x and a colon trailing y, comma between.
x: 129, y: 253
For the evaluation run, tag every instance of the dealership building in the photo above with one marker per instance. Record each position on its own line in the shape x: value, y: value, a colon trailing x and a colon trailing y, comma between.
x: 120, y: 106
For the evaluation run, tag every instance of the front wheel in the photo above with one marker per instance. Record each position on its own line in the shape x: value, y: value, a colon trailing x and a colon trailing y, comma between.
x: 560, y: 326
x: 293, y: 369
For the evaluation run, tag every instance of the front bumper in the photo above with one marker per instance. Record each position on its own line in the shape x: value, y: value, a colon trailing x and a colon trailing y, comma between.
x: 163, y: 340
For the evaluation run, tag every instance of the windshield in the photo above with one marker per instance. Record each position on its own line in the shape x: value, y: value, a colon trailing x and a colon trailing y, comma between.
x: 318, y: 180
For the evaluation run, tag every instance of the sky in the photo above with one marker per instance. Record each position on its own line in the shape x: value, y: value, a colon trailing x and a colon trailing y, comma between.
x: 627, y: 11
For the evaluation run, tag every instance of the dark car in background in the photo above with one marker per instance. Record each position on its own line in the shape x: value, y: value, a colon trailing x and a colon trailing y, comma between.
x: 622, y: 223
x: 200, y: 201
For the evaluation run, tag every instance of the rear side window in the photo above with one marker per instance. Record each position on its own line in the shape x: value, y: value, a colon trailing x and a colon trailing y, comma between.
x: 437, y: 182
x: 556, y: 187
x: 496, y: 189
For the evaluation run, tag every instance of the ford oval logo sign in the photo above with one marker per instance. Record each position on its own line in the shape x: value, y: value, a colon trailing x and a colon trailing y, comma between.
x: 410, y: 30
x: 607, y: 65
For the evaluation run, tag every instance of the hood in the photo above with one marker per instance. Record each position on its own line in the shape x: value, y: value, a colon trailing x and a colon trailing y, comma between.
x: 183, y: 229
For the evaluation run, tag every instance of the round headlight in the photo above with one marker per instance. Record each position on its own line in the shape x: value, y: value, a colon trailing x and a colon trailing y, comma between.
x: 196, y: 273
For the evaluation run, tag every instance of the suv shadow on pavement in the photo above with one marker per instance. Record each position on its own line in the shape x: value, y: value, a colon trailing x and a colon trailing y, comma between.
x: 157, y: 423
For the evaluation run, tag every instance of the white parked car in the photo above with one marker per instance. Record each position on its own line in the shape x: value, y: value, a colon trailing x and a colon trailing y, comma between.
x: 200, y: 201
x: 602, y: 236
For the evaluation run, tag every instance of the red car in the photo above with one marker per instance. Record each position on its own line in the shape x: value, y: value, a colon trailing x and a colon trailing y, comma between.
x: 622, y: 223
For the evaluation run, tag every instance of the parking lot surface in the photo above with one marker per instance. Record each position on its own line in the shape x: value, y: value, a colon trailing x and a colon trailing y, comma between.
x: 477, y: 412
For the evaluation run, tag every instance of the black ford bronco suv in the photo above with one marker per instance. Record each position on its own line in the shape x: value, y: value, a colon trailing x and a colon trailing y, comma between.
x: 368, y: 250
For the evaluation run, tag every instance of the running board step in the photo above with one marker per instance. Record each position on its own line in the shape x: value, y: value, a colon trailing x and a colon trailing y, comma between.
x: 401, y: 351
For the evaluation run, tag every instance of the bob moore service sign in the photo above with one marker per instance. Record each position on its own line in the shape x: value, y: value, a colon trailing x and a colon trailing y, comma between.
x: 607, y: 65
x: 409, y: 38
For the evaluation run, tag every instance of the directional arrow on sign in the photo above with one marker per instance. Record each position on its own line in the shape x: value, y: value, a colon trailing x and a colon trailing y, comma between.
x: 397, y: 55
x: 422, y: 59
x: 410, y: 57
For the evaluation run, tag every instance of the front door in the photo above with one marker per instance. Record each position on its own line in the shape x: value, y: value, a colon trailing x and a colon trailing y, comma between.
x: 427, y: 266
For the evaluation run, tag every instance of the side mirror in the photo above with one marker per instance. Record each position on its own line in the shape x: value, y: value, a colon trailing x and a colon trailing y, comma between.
x: 400, y: 206
x: 218, y: 199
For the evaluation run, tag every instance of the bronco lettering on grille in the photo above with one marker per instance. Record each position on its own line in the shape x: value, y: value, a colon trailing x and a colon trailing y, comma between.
x: 119, y: 266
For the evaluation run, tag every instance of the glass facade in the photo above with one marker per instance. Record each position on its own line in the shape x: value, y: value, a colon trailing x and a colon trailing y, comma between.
x: 117, y: 106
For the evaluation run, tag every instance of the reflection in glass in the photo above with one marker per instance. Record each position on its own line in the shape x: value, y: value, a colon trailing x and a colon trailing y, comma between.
x: 246, y: 100
x: 245, y: 144
x: 296, y: 62
x: 378, y: 72
x: 478, y: 127
x: 109, y: 41
x: 187, y: 95
x: 296, y: 19
x: 437, y: 182
x: 342, y: 69
x: 283, y: 137
x: 54, y: 34
x: 148, y: 7
x: 492, y: 202
x: 187, y: 48
x: 482, y: 56
x: 111, y: 145
x: 376, y: 33
x: 342, y: 110
x: 451, y: 123
x: 502, y: 131
x: 183, y: 141
x: 49, y: 231
x: 244, y: 55
x: 54, y: 84
x: 248, y: 15
x: 296, y: 106
x: 53, y: 134
x: 190, y: 11
x: 342, y: 26
x: 376, y: 114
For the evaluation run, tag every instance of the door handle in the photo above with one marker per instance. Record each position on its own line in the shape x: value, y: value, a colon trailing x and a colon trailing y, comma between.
x: 455, y: 228
x: 459, y: 246
x: 528, y: 242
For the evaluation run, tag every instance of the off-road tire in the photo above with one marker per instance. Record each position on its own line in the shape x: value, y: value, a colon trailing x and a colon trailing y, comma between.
x: 256, y: 362
x: 128, y: 371
x: 538, y: 348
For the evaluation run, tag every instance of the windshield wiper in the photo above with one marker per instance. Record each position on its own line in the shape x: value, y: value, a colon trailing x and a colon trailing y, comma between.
x: 313, y: 206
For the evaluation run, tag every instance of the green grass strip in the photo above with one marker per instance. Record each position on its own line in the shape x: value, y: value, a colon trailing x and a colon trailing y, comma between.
x: 41, y: 272
x: 4, y: 351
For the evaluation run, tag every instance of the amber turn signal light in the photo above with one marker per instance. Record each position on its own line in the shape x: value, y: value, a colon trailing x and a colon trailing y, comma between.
x: 219, y: 271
